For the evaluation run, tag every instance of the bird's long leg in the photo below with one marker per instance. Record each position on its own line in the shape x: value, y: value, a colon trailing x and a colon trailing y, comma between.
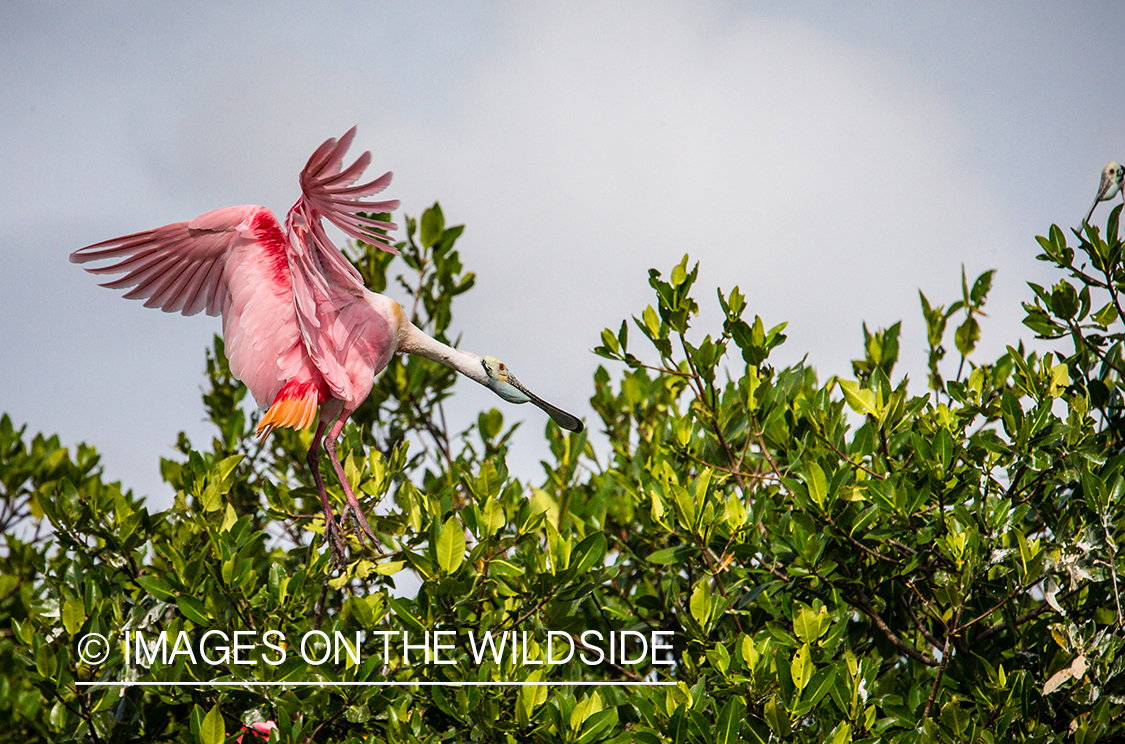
x: 353, y: 503
x: 330, y: 529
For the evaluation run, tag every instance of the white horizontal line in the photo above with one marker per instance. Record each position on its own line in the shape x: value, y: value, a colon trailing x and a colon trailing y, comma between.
x: 372, y: 684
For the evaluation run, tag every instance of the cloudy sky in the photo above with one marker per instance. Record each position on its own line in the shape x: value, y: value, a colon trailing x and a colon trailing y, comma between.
x: 829, y: 158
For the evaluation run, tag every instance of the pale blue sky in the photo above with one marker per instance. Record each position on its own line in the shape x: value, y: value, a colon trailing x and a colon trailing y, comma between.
x: 830, y: 158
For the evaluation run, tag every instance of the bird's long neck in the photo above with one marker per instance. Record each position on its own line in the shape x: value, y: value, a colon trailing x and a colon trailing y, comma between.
x: 414, y: 341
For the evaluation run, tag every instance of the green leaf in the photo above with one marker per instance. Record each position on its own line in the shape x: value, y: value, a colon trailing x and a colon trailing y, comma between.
x: 493, y: 517
x: 981, y: 288
x: 609, y: 341
x: 46, y: 663
x: 700, y: 604
x: 678, y: 275
x: 225, y: 469
x: 585, y: 708
x: 808, y: 624
x: 1064, y: 300
x: 597, y: 725
x: 212, y: 729
x: 842, y: 734
x: 665, y: 556
x: 1107, y: 316
x: 433, y: 222
x: 859, y: 399
x: 1026, y: 555
x: 652, y: 323
x: 719, y: 658
x: 589, y: 553
x: 157, y: 587
x: 730, y: 718
x: 821, y: 682
x: 1060, y: 379
x: 777, y: 717
x: 802, y: 666
x: 817, y: 483
x: 451, y: 545
x: 389, y: 568
x: 73, y: 615
x: 531, y: 696
x: 967, y: 336
x: 193, y: 610
x: 230, y: 518
x: 685, y: 504
x: 401, y: 609
x: 748, y: 650
x: 490, y: 423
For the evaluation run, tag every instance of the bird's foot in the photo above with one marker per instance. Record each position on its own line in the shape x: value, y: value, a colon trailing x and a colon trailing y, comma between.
x: 360, y: 520
x: 332, y: 533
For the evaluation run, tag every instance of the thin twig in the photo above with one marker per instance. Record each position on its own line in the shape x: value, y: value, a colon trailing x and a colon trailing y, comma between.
x: 862, y: 602
x: 732, y: 471
x: 937, y: 679
x: 856, y: 543
x: 850, y: 461
x: 319, y: 611
x: 918, y: 624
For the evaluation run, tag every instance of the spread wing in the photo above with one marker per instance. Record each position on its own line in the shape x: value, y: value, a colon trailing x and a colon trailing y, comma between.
x: 328, y: 292
x: 327, y: 192
x: 178, y: 268
x: 285, y: 299
x: 231, y: 261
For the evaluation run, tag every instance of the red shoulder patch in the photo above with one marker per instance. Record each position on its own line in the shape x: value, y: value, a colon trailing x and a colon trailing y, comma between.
x: 272, y: 239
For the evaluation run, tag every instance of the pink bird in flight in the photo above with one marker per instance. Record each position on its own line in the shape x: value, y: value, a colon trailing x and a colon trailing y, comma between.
x: 301, y: 330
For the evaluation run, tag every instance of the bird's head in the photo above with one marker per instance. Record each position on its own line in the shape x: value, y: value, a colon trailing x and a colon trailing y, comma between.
x: 1109, y: 186
x: 1112, y: 176
x: 495, y: 369
x: 502, y: 382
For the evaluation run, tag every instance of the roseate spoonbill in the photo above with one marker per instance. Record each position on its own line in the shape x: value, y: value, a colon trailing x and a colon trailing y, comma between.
x: 1109, y: 186
x: 301, y: 329
x: 260, y: 730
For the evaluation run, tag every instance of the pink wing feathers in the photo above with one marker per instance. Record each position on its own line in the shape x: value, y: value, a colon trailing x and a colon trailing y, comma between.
x: 328, y: 192
x: 328, y: 292
x: 292, y: 304
x: 260, y: 329
x: 178, y: 267
x: 231, y: 261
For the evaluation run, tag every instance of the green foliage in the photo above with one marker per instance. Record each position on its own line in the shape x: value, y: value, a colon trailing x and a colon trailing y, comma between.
x: 1089, y: 312
x: 840, y: 561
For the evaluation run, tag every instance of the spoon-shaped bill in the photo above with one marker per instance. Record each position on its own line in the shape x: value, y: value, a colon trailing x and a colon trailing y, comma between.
x: 501, y: 381
x: 559, y: 416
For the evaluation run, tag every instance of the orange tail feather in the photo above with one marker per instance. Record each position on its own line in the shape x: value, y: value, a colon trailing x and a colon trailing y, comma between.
x: 293, y: 408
